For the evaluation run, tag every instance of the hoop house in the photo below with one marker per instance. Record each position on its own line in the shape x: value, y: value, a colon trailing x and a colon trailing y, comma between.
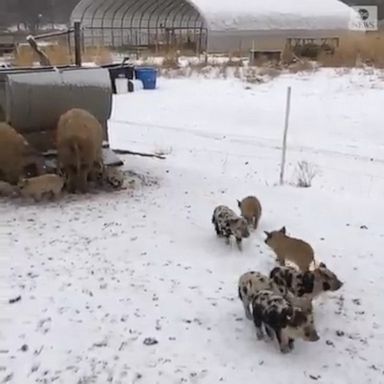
x: 212, y: 25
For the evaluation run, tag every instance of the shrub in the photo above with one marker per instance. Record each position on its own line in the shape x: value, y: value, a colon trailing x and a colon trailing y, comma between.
x: 305, y: 173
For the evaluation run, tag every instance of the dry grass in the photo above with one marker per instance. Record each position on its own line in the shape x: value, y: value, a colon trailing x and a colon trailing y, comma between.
x: 353, y: 51
x: 171, y: 59
x: 357, y: 50
x: 301, y: 66
x: 57, y: 53
x: 60, y: 54
x: 99, y: 55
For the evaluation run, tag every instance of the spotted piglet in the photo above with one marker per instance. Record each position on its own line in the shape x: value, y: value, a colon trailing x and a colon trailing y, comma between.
x: 281, y: 320
x: 306, y: 285
x: 228, y: 224
x: 250, y: 283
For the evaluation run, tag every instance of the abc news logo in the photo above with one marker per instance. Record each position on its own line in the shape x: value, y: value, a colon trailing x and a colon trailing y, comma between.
x: 367, y: 18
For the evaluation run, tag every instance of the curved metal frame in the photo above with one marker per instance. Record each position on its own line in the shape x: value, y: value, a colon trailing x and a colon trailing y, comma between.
x: 120, y: 4
x: 99, y: 33
x: 177, y: 13
x: 123, y: 12
x: 168, y: 4
x: 144, y: 18
x: 158, y: 6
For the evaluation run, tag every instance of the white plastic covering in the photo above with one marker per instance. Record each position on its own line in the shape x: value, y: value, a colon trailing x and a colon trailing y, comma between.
x: 224, y: 15
x: 209, y: 24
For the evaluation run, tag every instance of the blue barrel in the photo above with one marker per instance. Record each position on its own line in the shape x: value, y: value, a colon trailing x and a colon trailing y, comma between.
x: 147, y: 76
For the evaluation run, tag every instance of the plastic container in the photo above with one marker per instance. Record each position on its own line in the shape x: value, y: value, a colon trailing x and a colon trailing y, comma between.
x: 148, y: 76
x: 118, y: 71
x: 121, y: 84
x: 137, y: 85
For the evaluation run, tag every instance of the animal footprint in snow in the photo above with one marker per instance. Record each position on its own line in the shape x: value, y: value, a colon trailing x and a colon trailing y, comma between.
x: 44, y: 325
x: 150, y: 341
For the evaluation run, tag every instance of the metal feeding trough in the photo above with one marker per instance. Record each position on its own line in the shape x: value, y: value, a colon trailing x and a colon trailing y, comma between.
x: 32, y: 100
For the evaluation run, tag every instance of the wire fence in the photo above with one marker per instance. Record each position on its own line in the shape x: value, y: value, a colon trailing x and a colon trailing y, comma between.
x: 154, y: 39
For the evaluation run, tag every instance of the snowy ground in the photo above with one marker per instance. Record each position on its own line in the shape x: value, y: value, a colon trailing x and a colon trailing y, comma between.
x: 99, y: 274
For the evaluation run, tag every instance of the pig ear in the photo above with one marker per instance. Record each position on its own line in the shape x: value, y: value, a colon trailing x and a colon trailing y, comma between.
x: 308, y: 279
x: 322, y: 265
x: 283, y: 230
x: 268, y: 234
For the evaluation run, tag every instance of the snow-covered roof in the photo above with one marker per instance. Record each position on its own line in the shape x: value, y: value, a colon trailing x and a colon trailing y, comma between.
x: 220, y: 15
x: 274, y: 14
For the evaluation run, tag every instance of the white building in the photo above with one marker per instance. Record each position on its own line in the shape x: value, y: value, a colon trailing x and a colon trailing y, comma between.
x: 212, y: 25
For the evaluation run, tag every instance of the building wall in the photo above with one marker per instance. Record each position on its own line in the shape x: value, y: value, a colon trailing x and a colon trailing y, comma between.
x: 262, y: 40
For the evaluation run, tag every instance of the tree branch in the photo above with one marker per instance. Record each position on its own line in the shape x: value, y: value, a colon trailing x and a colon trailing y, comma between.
x: 43, y: 58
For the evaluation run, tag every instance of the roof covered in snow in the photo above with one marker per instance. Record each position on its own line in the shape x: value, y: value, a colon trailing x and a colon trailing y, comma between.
x: 217, y: 15
x: 275, y: 14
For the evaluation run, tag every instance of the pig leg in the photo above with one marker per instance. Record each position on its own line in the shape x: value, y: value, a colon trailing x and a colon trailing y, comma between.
x: 239, y: 244
x: 248, y: 313
x: 247, y: 310
x: 269, y: 331
x: 227, y: 235
x: 281, y: 260
x: 50, y: 195
x: 246, y: 302
x: 283, y: 340
x: 98, y: 174
x: 217, y: 229
x: 55, y: 194
x: 257, y: 320
x: 303, y: 266
x: 82, y: 180
x: 71, y: 180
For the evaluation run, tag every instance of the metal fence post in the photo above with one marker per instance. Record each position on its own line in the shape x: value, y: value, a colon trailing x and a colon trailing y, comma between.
x: 77, y: 38
x: 284, y: 148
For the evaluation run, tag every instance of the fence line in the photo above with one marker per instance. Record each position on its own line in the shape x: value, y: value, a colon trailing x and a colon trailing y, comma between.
x: 152, y: 38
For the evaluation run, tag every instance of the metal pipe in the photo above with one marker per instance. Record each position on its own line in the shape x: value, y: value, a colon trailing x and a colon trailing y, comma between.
x: 77, y: 29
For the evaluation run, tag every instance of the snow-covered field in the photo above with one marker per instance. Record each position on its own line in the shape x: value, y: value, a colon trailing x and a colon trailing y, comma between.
x: 99, y: 274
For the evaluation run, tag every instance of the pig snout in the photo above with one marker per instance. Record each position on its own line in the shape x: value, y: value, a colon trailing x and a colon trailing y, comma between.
x: 313, y: 336
x: 338, y: 284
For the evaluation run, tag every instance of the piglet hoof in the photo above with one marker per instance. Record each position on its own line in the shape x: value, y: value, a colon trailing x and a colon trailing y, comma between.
x: 269, y: 333
x: 285, y: 349
x: 259, y: 335
x: 239, y: 245
x: 248, y: 315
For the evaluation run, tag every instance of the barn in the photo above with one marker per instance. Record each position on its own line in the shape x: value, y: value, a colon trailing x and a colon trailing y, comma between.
x: 209, y: 25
